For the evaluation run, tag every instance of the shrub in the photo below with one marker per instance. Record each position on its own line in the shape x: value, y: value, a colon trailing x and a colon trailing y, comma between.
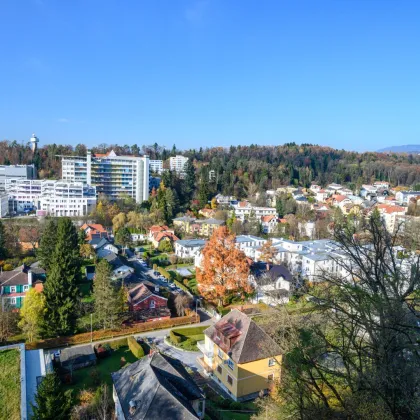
x: 224, y: 403
x: 29, y: 260
x: 235, y: 405
x: 135, y: 347
x: 7, y: 267
x: 116, y: 344
x: 164, y: 273
x: 176, y: 339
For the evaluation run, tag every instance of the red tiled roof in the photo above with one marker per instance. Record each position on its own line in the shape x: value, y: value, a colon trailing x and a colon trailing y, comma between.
x: 389, y: 209
x: 158, y: 228
x: 339, y: 197
x: 267, y: 219
x: 158, y: 236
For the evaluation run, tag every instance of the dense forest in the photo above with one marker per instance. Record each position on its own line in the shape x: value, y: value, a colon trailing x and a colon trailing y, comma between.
x: 237, y: 169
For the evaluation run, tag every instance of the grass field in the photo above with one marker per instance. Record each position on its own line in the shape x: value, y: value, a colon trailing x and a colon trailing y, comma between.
x: 10, y: 385
x: 93, y: 376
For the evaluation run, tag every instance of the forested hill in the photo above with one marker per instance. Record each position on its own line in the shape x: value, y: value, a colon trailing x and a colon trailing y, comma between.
x: 237, y: 168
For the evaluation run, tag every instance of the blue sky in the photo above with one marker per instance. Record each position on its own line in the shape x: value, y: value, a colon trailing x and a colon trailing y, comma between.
x: 343, y: 73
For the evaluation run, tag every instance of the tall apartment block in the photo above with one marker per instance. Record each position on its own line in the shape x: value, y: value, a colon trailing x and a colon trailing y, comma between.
x: 177, y: 163
x: 10, y: 174
x: 156, y: 166
x: 112, y: 175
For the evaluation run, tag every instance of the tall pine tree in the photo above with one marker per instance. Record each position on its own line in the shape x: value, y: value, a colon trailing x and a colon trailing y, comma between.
x: 47, y: 244
x: 107, y: 298
x: 51, y: 402
x: 2, y: 242
x: 61, y: 286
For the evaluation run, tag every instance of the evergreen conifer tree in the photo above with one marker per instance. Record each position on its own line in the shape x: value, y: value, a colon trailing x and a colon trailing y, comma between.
x: 2, y: 241
x: 51, y: 403
x: 61, y: 286
x: 47, y: 244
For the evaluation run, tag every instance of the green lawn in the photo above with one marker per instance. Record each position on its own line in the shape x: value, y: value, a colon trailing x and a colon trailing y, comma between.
x: 85, y: 290
x: 226, y: 414
x: 186, y: 338
x: 10, y: 384
x: 93, y: 376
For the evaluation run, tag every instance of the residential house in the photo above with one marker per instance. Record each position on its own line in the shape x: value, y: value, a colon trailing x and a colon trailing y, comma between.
x: 182, y: 224
x: 269, y: 223
x: 315, y: 188
x: 122, y: 272
x: 274, y: 287
x: 368, y: 191
x: 78, y: 357
x: 147, y: 304
x: 390, y: 215
x: 335, y: 187
x: 207, y: 212
x: 156, y: 387
x: 224, y: 199
x: 157, y: 228
x: 403, y: 197
x: 339, y: 200
x: 321, y: 195
x: 163, y: 236
x: 381, y: 184
x: 244, y: 210
x: 249, y: 244
x: 94, y: 230
x: 14, y: 285
x: 208, y: 226
x: 189, y: 248
x: 240, y: 356
x: 103, y: 243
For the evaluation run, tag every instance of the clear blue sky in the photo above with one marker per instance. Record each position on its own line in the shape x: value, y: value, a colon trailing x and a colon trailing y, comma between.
x: 344, y: 73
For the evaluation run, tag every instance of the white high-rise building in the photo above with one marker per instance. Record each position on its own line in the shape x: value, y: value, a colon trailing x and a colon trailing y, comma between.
x: 10, y: 174
x: 177, y: 163
x: 112, y: 175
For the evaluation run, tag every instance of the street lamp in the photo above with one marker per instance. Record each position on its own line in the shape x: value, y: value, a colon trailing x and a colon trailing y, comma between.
x: 91, y: 330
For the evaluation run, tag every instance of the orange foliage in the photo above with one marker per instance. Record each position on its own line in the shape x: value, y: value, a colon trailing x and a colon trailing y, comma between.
x: 268, y: 252
x: 224, y: 267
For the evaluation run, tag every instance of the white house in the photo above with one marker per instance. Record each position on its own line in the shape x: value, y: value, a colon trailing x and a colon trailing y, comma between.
x: 403, y: 197
x: 243, y: 210
x: 189, y: 248
x: 269, y: 223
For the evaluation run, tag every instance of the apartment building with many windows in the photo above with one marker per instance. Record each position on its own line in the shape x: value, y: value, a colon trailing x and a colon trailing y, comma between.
x: 15, y: 173
x: 240, y: 356
x: 112, y: 175
x: 177, y: 163
x: 51, y: 197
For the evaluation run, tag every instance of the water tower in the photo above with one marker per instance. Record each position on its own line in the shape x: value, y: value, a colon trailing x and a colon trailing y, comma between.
x: 33, y: 143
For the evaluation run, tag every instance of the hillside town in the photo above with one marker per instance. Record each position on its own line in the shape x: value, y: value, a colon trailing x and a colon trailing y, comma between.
x: 128, y: 307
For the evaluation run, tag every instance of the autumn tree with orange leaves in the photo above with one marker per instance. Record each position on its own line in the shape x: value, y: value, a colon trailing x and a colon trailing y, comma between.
x: 268, y: 253
x: 225, y: 269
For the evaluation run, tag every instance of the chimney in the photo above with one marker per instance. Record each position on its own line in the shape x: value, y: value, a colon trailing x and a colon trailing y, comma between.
x: 30, y: 277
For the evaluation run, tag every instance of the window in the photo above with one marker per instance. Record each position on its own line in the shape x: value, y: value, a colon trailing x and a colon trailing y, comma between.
x: 152, y: 304
x: 271, y: 362
x: 219, y: 369
x: 25, y: 288
x: 12, y: 289
x: 230, y: 380
x: 220, y: 353
x: 270, y: 377
x: 13, y: 301
x: 230, y: 364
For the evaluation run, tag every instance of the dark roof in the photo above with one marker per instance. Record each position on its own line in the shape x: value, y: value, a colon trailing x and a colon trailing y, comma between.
x: 241, y: 338
x: 141, y: 292
x: 102, y: 243
x: 160, y: 388
x: 19, y: 276
x: 77, y: 354
x: 277, y: 271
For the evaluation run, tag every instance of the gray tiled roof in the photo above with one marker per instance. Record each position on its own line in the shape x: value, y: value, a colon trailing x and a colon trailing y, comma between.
x: 159, y: 386
x: 252, y: 343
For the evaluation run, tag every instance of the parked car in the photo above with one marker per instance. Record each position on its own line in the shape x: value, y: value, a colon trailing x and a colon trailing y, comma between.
x: 172, y: 286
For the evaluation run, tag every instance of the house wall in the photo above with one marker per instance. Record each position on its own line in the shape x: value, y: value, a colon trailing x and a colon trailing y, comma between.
x: 160, y: 302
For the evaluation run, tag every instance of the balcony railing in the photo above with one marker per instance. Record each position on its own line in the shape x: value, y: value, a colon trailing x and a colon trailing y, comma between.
x: 201, y: 346
x: 204, y: 365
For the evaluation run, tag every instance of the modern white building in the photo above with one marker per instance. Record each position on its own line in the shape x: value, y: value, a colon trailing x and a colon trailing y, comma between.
x: 10, y: 174
x: 156, y: 166
x: 244, y: 210
x: 50, y: 197
x: 177, y: 163
x: 112, y: 175
x: 403, y: 197
x: 189, y: 248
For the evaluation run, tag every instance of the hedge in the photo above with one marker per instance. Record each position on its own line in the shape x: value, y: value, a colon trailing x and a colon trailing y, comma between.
x: 116, y: 344
x: 189, y: 330
x: 176, y: 339
x: 164, y: 273
x: 109, y: 334
x: 135, y: 347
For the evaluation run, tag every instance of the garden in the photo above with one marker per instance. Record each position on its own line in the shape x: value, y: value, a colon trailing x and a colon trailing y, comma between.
x: 10, y: 384
x: 187, y: 338
x: 111, y: 357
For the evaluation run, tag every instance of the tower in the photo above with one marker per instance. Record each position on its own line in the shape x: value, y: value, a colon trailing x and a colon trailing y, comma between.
x: 33, y: 143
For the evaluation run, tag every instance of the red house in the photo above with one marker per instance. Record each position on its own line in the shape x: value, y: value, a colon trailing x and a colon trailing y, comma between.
x: 146, y: 304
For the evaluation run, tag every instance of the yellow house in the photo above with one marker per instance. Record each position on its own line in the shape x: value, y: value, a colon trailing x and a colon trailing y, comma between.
x: 240, y: 356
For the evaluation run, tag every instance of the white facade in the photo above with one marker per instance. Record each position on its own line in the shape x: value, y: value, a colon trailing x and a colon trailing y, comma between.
x: 243, y: 212
x: 156, y: 166
x: 177, y: 163
x: 188, y: 248
x: 403, y: 197
x: 55, y: 198
x: 112, y: 175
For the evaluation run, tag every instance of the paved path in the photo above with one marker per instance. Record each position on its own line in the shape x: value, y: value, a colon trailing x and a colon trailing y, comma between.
x: 35, y: 368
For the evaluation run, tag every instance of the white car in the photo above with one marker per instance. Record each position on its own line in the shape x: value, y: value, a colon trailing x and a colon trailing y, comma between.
x: 172, y: 286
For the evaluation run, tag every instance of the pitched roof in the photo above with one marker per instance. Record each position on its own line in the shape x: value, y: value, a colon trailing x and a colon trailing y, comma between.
x: 160, y: 388
x: 268, y: 219
x: 389, y: 209
x: 141, y: 292
x: 339, y: 197
x: 277, y: 271
x: 191, y: 243
x: 157, y: 228
x: 19, y: 276
x: 241, y: 338
x: 158, y: 236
